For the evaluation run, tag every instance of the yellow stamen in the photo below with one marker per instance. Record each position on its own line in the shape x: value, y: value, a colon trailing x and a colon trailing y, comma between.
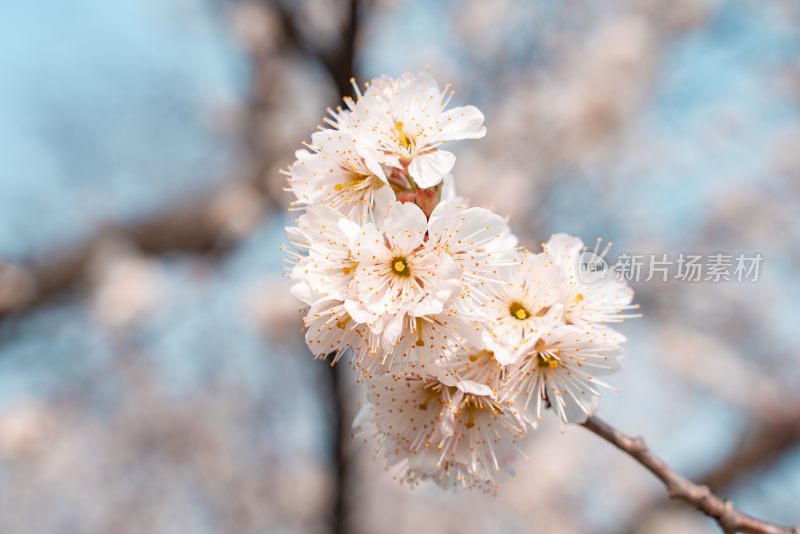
x: 547, y: 360
x: 357, y: 179
x: 341, y: 324
x: 518, y: 311
x: 345, y: 185
x: 400, y: 266
x: 348, y: 270
x: 487, y: 354
x: 420, y: 343
x: 404, y: 141
x: 470, y: 418
x: 579, y: 297
x: 472, y: 406
x: 431, y: 395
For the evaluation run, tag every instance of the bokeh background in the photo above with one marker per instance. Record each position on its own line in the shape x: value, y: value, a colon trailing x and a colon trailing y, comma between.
x: 152, y: 372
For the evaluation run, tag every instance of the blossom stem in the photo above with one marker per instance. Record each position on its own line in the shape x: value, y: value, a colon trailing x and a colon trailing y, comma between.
x: 728, y: 518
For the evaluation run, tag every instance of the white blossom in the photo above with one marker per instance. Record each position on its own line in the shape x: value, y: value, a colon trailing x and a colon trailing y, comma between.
x: 559, y: 369
x: 524, y: 305
x: 415, y: 344
x: 478, y: 240
x: 458, y: 334
x: 331, y: 332
x: 323, y: 263
x: 457, y: 435
x: 589, y: 301
x: 402, y: 124
x: 333, y: 173
x: 396, y: 273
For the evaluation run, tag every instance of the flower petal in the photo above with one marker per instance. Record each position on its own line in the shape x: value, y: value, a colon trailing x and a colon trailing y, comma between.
x: 475, y: 388
x: 405, y: 226
x: 369, y: 244
x: 429, y: 169
x: 465, y: 122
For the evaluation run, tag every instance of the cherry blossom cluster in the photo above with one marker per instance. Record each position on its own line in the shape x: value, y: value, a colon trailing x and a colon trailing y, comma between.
x: 462, y: 337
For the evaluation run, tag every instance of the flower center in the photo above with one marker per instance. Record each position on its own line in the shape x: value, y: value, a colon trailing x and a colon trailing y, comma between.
x: 485, y: 355
x: 343, y: 322
x: 357, y: 179
x: 400, y: 266
x: 432, y: 394
x: 405, y: 142
x: 474, y: 405
x: 518, y: 311
x: 547, y: 361
x: 546, y: 358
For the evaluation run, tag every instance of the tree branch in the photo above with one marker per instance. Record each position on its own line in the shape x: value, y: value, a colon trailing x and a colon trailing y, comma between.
x: 773, y: 433
x: 190, y: 227
x: 680, y: 488
x: 194, y: 226
x: 340, y: 65
x: 340, y: 62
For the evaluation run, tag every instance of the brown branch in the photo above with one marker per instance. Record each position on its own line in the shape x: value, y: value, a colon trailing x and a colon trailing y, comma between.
x: 191, y: 227
x: 340, y: 62
x: 194, y: 226
x: 338, y: 377
x: 680, y: 488
x: 774, y: 432
x: 340, y: 65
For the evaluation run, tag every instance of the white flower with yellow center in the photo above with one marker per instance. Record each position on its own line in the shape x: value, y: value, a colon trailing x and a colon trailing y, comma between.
x: 590, y: 298
x: 331, y: 332
x: 396, y: 273
x: 457, y: 333
x: 333, y: 173
x: 421, y: 343
x: 560, y: 370
x: 478, y: 240
x: 524, y: 305
x: 454, y: 434
x: 323, y: 264
x: 477, y: 365
x: 402, y: 123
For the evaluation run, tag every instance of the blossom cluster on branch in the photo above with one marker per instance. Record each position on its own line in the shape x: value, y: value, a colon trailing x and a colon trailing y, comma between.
x: 462, y: 337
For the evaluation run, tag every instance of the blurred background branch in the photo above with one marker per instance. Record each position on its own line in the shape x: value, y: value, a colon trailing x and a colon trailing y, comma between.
x: 730, y: 519
x: 772, y: 432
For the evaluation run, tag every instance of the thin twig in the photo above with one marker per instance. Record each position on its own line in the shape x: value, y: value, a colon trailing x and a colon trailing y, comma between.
x: 680, y: 488
x: 761, y: 444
